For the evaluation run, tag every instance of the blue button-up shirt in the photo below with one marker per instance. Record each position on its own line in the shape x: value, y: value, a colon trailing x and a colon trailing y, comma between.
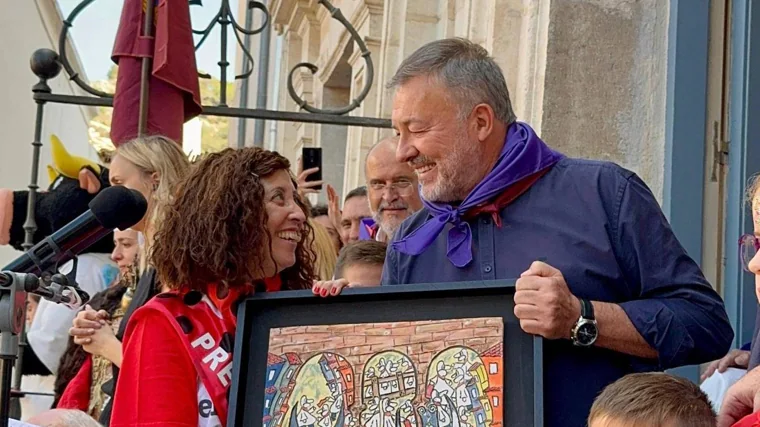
x: 602, y: 228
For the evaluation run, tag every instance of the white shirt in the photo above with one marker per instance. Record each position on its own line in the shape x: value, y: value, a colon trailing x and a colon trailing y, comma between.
x: 207, y: 416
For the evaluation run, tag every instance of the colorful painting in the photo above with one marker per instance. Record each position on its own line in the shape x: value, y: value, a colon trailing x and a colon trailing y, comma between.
x: 442, y: 373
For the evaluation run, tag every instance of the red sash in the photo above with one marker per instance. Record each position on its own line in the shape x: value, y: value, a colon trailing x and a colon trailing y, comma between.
x: 206, y: 326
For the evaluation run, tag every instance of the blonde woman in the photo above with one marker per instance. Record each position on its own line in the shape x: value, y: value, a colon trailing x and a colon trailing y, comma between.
x: 153, y: 166
x: 324, y: 249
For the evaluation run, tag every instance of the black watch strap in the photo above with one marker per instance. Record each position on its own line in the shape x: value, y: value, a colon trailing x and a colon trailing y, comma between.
x: 587, y: 309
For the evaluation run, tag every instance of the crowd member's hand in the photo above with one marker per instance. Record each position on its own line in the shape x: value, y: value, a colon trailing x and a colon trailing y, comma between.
x: 88, y: 321
x: 734, y: 359
x: 333, y: 206
x: 544, y: 304
x: 102, y: 343
x: 306, y: 187
x: 326, y: 288
x: 742, y: 399
x: 93, y: 332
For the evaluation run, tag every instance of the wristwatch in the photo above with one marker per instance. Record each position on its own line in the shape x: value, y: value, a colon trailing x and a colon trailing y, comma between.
x: 585, y: 332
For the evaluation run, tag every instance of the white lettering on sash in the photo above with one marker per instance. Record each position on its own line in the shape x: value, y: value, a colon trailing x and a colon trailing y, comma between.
x: 205, y: 341
x: 215, y: 357
x: 224, y: 374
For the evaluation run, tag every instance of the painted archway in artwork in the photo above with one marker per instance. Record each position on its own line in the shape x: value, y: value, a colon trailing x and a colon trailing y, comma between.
x: 389, y: 387
x: 321, y: 393
x: 458, y: 385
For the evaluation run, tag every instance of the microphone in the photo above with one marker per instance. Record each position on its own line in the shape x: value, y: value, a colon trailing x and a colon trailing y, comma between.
x: 59, y: 291
x: 114, y: 207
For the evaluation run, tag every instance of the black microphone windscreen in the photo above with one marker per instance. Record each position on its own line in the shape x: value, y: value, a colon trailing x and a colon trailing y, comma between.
x: 118, y: 207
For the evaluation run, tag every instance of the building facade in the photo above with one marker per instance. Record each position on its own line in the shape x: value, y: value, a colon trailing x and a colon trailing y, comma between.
x: 588, y: 75
x: 35, y: 24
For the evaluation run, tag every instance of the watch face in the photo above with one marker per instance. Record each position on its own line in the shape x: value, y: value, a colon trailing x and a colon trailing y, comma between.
x: 586, y: 334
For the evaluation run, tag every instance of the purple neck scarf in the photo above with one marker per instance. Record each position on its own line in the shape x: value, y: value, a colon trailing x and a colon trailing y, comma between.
x: 524, y: 154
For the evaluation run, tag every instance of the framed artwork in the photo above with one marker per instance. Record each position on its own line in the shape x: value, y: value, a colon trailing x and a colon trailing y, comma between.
x: 432, y: 355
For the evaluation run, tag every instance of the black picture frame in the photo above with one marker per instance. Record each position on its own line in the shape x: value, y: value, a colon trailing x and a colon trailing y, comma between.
x: 257, y: 315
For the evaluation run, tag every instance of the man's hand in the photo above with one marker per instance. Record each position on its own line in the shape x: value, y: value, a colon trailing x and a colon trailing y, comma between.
x: 544, y: 304
x: 734, y: 359
x: 742, y: 399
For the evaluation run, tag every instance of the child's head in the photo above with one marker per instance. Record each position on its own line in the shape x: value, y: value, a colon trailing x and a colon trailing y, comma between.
x: 651, y: 400
x: 361, y: 262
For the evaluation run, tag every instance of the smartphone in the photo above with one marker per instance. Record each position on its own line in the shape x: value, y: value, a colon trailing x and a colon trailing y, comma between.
x: 312, y: 158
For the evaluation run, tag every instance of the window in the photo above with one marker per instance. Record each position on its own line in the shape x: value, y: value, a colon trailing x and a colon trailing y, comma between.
x: 348, y: 377
x: 480, y: 418
x: 290, y: 373
x: 271, y: 374
x: 266, y: 404
x: 493, y: 368
x: 496, y: 401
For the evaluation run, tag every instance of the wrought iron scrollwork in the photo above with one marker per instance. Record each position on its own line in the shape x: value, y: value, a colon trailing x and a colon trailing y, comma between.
x: 225, y: 17
x: 369, y: 69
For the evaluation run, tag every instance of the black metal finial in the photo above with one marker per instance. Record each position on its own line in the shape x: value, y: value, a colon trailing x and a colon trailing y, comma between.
x: 45, y: 64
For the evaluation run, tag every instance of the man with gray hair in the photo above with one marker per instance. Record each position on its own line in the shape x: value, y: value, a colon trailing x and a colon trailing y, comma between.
x: 615, y: 293
x: 393, y: 193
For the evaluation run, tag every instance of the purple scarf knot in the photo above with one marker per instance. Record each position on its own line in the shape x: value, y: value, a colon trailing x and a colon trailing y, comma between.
x: 523, y: 154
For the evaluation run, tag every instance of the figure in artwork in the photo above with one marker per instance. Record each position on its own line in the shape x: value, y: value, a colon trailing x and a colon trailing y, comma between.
x: 442, y: 373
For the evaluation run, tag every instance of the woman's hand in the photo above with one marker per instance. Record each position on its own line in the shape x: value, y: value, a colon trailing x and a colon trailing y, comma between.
x: 94, y: 333
x: 326, y: 288
x: 102, y: 343
x: 88, y: 321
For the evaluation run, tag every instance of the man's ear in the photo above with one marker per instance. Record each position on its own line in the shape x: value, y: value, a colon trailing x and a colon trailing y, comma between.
x: 485, y: 118
x: 89, y: 181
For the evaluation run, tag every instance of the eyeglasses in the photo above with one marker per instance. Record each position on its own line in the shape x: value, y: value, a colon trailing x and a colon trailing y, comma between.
x: 749, y: 244
x: 401, y: 187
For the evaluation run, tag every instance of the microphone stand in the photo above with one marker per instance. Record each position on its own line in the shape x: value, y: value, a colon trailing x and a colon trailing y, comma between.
x: 14, y: 288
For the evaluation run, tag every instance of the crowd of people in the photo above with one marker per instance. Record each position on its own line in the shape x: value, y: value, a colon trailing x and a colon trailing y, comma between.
x: 461, y: 192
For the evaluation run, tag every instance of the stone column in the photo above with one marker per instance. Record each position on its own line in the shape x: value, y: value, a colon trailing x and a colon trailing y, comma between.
x: 605, y: 82
x: 368, y: 21
x: 302, y: 44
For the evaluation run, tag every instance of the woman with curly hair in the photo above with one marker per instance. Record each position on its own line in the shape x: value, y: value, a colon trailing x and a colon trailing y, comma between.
x: 236, y: 226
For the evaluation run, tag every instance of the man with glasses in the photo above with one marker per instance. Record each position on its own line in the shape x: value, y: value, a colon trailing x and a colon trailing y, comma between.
x: 393, y: 192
